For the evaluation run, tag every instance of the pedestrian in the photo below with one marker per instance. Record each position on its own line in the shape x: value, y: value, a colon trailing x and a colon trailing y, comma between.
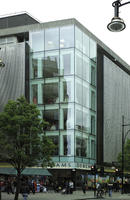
x: 71, y: 186
x: 84, y: 185
x: 110, y: 187
x: 25, y: 190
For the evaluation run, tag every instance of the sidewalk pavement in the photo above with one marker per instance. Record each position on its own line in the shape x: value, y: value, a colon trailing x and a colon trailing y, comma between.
x: 77, y: 195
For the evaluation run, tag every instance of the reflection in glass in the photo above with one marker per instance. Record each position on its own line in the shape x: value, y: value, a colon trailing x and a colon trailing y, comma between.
x: 93, y: 75
x: 84, y: 147
x: 50, y: 93
x: 67, y: 144
x: 93, y: 125
x: 85, y: 44
x: 78, y: 39
x: 93, y: 100
x: 67, y: 62
x: 55, y: 140
x: 86, y: 120
x: 52, y: 117
x: 37, y: 41
x: 78, y: 146
x: 34, y: 92
x: 67, y: 36
x: 78, y: 64
x: 51, y: 38
x: 86, y: 69
x: 68, y: 119
x: 85, y: 94
x: 78, y: 92
x: 93, y: 148
x: 36, y: 65
x: 93, y: 50
x: 51, y: 67
x: 78, y: 118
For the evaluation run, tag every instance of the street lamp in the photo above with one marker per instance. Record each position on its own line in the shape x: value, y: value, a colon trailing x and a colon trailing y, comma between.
x: 123, y: 143
x: 117, y: 24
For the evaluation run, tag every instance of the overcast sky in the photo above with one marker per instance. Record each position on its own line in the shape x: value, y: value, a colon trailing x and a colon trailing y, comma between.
x: 93, y: 14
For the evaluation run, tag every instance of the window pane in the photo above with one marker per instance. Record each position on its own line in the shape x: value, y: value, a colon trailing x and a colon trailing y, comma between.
x: 86, y: 69
x: 78, y: 91
x: 78, y: 63
x: 78, y: 39
x: 67, y: 36
x: 78, y: 118
x: 93, y: 50
x: 67, y: 89
x: 50, y: 93
x: 93, y: 148
x: 37, y: 41
x: 52, y: 117
x: 67, y: 117
x: 67, y: 144
x: 86, y: 120
x: 93, y: 125
x: 55, y: 140
x: 84, y: 147
x: 36, y: 65
x: 51, y: 38
x: 93, y: 100
x: 67, y: 62
x: 51, y: 68
x: 78, y: 146
x: 85, y: 44
x: 93, y: 74
x: 34, y: 92
x: 86, y: 99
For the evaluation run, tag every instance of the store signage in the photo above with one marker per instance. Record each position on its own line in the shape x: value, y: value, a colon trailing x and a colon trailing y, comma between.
x: 72, y: 165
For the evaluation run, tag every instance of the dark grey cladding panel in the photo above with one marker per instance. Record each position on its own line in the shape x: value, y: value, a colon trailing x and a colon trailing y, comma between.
x: 12, y: 76
x: 116, y: 104
x: 16, y: 20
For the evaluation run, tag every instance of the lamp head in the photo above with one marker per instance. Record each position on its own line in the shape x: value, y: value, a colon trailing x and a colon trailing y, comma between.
x: 1, y: 63
x: 116, y: 25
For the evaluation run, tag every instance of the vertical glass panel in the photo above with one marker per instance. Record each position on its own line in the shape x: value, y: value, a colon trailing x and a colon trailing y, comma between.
x: 67, y: 144
x: 34, y: 92
x: 86, y: 91
x: 84, y: 147
x: 93, y: 100
x: 86, y: 68
x: 78, y: 64
x: 93, y: 73
x: 78, y: 118
x: 37, y: 41
x: 93, y: 50
x: 51, y: 68
x: 86, y: 120
x: 78, y: 146
x: 67, y: 117
x: 55, y: 140
x: 51, y: 38
x: 67, y: 89
x: 93, y: 148
x: 50, y: 93
x: 93, y: 125
x: 78, y: 39
x: 78, y: 91
x: 36, y: 65
x: 67, y: 36
x: 85, y: 44
x: 52, y: 117
x: 67, y: 62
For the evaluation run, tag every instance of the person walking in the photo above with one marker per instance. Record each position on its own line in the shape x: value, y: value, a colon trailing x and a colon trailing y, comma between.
x: 25, y: 190
x: 84, y: 185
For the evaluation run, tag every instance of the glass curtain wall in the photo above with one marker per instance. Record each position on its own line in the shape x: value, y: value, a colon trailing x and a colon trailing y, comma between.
x: 63, y: 86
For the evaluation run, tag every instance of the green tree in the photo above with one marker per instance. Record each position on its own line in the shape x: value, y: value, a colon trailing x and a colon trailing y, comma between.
x: 126, y: 156
x: 22, y: 142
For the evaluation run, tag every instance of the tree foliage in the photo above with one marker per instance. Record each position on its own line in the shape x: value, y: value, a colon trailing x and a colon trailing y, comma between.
x: 126, y: 156
x: 22, y: 140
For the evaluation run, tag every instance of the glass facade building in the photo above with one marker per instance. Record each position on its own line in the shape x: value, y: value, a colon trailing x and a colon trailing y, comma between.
x: 80, y: 86
x: 63, y: 62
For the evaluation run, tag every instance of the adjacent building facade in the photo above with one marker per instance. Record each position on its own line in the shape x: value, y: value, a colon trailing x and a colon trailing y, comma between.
x: 79, y: 85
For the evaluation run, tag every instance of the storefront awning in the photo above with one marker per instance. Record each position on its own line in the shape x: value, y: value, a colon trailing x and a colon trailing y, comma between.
x: 27, y: 171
